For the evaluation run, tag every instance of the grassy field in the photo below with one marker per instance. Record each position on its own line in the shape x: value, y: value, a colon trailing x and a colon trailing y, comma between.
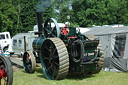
x: 103, y: 78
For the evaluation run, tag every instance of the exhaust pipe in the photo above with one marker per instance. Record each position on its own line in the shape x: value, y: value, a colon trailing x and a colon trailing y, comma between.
x: 39, y: 22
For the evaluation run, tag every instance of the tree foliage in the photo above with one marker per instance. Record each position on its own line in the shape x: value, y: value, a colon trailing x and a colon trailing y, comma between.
x: 100, y: 12
x: 20, y: 15
x: 7, y: 16
x: 26, y: 17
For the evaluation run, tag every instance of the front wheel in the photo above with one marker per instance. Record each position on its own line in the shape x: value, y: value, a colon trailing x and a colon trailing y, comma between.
x: 29, y: 62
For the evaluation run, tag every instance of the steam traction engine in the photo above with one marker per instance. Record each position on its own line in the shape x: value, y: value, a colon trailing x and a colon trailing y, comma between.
x: 62, y: 51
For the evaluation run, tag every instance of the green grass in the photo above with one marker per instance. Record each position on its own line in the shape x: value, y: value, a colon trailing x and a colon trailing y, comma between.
x: 103, y: 78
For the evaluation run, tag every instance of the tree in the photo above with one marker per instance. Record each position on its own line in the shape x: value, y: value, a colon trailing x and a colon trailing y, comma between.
x: 100, y: 12
x: 7, y: 16
x: 28, y: 15
x: 65, y: 11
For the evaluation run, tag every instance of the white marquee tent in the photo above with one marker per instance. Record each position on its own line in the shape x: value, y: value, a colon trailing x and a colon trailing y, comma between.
x: 115, y: 45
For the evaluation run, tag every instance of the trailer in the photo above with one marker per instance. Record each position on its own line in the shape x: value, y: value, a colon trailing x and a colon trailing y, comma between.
x: 22, y: 42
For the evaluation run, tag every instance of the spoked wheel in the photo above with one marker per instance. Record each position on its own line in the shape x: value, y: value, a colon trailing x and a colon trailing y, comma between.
x: 51, y: 28
x: 29, y: 62
x: 101, y: 59
x: 54, y: 59
x: 6, y: 72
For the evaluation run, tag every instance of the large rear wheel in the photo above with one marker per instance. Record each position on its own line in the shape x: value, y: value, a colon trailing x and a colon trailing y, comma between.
x: 54, y: 59
x: 6, y: 72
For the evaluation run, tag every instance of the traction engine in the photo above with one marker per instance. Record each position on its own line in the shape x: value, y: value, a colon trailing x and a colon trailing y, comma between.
x: 63, y: 50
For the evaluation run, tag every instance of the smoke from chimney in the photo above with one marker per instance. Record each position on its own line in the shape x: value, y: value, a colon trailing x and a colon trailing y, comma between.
x: 43, y: 5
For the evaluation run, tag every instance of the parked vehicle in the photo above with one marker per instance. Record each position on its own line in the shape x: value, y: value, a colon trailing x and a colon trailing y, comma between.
x: 5, y: 40
x: 63, y: 51
x: 22, y: 42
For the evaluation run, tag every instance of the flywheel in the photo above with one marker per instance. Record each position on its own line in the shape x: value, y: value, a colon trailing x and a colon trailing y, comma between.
x: 54, y: 59
x: 51, y: 28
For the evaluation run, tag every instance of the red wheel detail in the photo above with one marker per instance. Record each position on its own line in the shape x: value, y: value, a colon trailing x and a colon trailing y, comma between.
x: 64, y: 31
x: 3, y: 74
x: 6, y: 71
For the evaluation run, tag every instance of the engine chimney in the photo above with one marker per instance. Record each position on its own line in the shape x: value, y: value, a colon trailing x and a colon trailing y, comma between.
x: 39, y: 22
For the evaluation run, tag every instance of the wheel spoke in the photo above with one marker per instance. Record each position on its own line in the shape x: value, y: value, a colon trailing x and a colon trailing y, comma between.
x: 54, y: 50
x: 53, y: 35
x: 53, y: 73
x: 52, y: 45
x: 28, y: 62
x: 55, y: 57
x: 29, y: 66
x: 55, y: 68
x: 52, y: 29
x: 47, y: 30
x: 50, y: 24
x: 56, y: 63
x: 49, y: 67
x: 46, y: 58
x: 47, y: 49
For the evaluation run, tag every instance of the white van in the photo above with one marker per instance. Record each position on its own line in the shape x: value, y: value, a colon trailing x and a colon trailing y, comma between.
x: 5, y: 40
